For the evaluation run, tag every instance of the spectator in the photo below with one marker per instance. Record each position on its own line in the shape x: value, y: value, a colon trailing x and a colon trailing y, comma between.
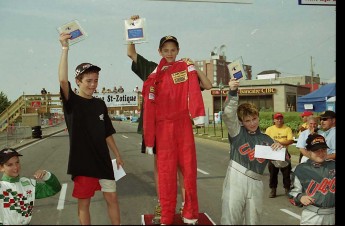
x: 282, y: 134
x: 328, y: 131
x: 121, y: 90
x: 49, y: 98
x: 114, y: 89
x: 136, y: 89
x: 44, y: 95
x: 43, y: 91
x: 312, y: 123
x: 303, y: 126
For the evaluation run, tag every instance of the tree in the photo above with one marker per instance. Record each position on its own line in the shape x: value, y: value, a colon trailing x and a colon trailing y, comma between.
x: 4, y: 102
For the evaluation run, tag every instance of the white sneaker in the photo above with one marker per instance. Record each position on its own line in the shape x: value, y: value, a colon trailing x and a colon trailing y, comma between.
x: 190, y: 221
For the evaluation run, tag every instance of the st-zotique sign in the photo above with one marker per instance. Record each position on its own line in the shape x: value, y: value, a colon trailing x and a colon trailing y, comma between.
x: 118, y: 99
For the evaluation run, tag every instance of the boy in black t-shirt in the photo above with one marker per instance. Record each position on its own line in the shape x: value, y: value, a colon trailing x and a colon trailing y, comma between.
x: 90, y: 131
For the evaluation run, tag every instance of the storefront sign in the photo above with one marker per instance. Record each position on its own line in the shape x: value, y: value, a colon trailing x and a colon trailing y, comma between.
x: 36, y: 104
x: 246, y: 91
x: 119, y: 99
x: 257, y: 91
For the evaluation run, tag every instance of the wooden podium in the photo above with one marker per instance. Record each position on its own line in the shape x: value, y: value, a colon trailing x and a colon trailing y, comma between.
x: 204, y: 219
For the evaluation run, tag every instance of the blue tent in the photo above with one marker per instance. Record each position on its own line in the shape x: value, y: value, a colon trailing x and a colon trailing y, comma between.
x: 317, y: 99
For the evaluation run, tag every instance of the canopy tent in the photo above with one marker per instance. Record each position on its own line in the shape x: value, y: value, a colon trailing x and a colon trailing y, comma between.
x: 330, y: 104
x: 316, y: 101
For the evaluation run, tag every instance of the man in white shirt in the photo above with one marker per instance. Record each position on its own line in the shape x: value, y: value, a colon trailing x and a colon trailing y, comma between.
x: 312, y: 124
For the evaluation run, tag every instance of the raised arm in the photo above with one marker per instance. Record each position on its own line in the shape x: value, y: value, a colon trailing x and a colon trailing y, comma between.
x: 63, y: 66
x: 230, y: 109
x: 205, y: 83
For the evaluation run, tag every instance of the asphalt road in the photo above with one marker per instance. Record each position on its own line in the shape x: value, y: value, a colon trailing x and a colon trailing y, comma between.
x: 136, y: 190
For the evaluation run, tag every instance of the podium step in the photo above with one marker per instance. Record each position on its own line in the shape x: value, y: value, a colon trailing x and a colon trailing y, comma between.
x: 204, y: 219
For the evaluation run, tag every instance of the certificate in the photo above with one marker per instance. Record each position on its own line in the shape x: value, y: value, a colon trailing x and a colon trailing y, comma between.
x: 266, y: 152
x: 236, y: 69
x: 118, y: 173
x: 135, y: 31
x: 75, y: 30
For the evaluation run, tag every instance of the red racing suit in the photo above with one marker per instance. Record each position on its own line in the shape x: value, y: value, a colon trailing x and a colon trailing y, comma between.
x: 177, y: 99
x: 148, y: 93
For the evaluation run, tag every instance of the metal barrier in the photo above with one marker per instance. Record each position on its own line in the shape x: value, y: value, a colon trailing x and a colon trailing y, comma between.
x: 14, y: 135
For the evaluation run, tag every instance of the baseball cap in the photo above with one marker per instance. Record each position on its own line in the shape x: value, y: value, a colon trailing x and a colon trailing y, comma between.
x: 306, y: 113
x: 7, y: 153
x: 328, y: 114
x: 277, y: 115
x: 315, y: 142
x: 81, y: 68
x: 168, y: 38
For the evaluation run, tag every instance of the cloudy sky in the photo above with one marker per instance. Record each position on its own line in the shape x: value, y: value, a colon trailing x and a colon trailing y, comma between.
x: 268, y: 34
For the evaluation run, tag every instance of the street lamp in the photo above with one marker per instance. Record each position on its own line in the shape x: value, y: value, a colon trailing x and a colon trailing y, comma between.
x: 221, y: 86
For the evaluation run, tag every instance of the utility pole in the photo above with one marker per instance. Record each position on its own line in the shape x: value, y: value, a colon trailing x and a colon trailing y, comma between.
x: 312, y: 74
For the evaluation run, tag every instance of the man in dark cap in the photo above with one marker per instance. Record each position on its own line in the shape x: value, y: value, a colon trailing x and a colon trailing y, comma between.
x: 314, y: 184
x: 143, y: 68
x: 328, y: 121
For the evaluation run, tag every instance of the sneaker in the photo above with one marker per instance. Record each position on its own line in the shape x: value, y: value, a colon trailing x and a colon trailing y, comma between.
x: 273, y: 193
x: 190, y: 221
x: 157, y: 217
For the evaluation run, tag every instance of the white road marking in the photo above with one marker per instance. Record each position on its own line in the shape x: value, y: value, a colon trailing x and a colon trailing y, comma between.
x: 201, y: 171
x: 124, y: 136
x: 291, y: 213
x: 61, y: 202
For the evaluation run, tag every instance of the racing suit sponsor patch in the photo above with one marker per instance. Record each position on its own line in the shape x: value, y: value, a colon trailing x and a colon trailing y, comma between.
x: 151, y: 96
x: 187, y: 60
x: 191, y: 68
x: 180, y: 76
x: 152, y: 93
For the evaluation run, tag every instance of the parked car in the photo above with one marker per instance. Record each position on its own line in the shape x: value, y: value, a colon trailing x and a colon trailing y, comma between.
x: 120, y: 118
x: 135, y: 119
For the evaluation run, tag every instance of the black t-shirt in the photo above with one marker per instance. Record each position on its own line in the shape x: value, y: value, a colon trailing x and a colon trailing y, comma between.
x: 89, y: 125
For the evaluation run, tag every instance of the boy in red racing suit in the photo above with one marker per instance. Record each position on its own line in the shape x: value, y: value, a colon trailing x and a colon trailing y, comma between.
x: 177, y: 98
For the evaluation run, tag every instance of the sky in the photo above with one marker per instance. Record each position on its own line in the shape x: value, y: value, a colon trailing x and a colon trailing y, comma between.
x: 268, y: 34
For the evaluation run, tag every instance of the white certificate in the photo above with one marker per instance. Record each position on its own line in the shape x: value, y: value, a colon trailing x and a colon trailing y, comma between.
x: 135, y: 31
x: 236, y: 69
x: 75, y: 30
x: 266, y: 152
x: 118, y: 173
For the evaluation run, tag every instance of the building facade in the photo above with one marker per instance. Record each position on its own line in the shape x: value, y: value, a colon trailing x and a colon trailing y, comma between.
x: 270, y: 91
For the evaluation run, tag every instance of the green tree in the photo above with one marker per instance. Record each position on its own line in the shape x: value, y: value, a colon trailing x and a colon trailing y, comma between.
x: 4, y: 102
